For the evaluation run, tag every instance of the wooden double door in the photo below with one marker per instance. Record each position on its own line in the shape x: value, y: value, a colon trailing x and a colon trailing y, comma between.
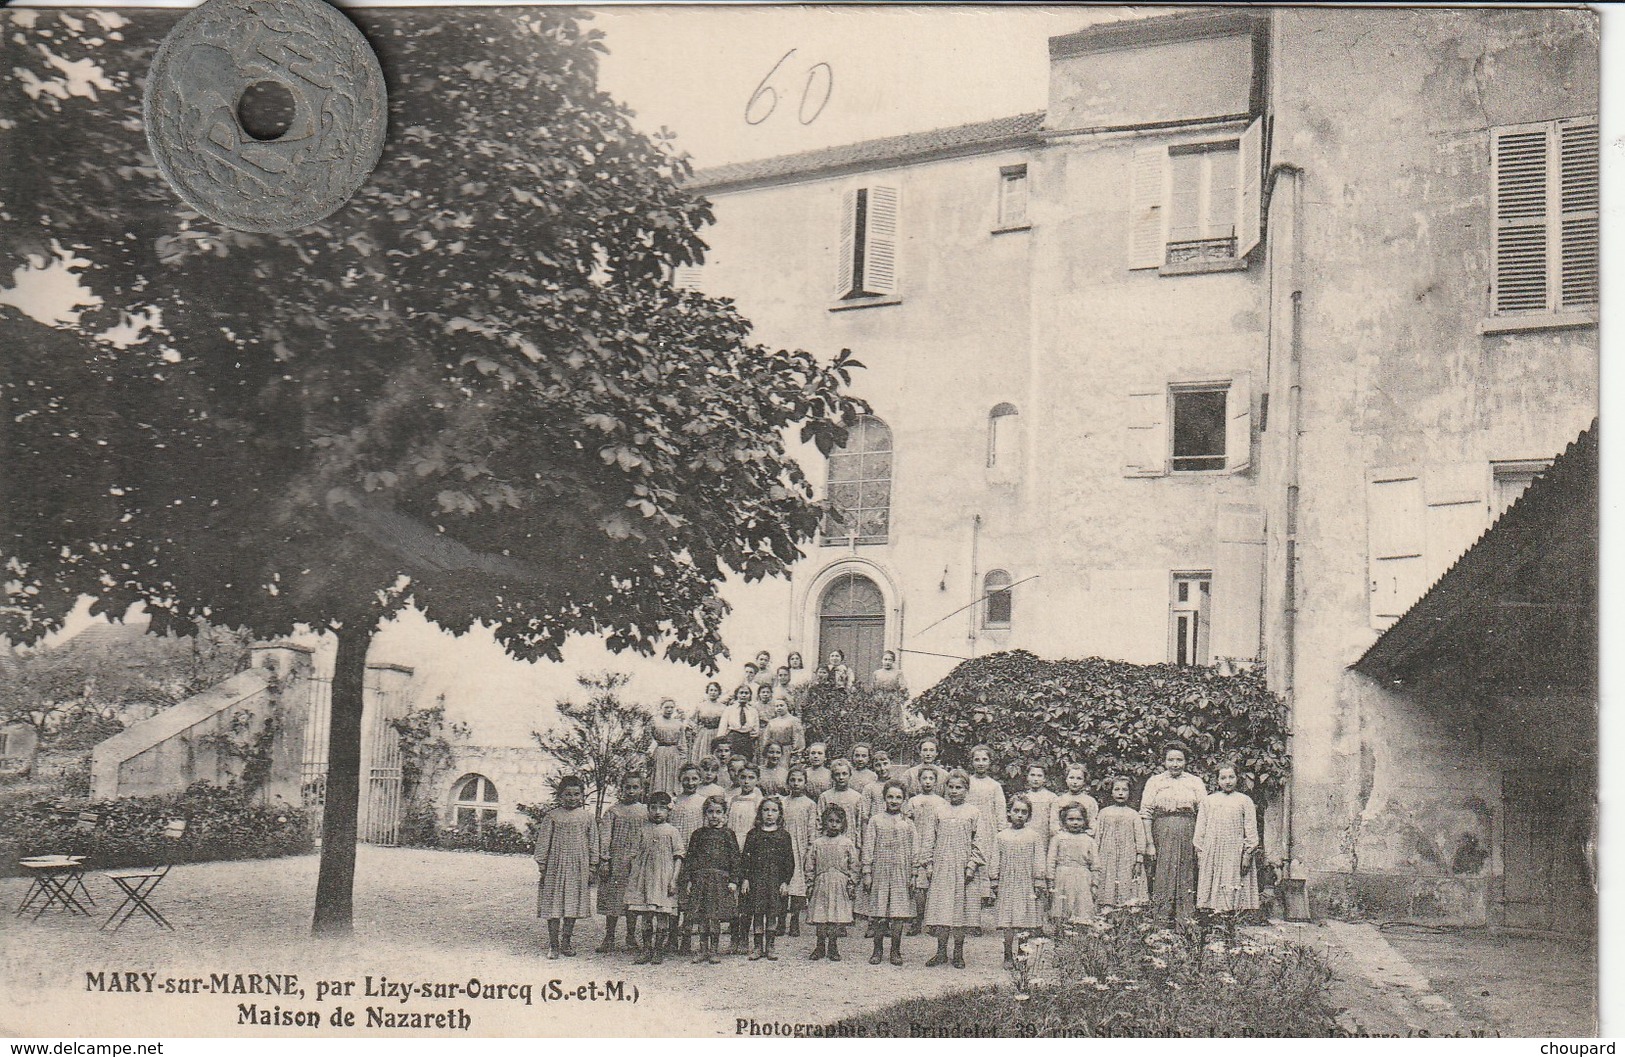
x: 852, y: 619
x: 1546, y: 882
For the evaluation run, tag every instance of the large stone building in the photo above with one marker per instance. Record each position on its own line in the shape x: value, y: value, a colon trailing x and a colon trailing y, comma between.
x: 1228, y: 355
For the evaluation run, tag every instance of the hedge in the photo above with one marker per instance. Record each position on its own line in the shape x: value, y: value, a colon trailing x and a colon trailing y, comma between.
x: 222, y: 822
x: 1112, y: 716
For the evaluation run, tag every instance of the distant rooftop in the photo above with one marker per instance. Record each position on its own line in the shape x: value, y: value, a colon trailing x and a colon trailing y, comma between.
x: 979, y: 137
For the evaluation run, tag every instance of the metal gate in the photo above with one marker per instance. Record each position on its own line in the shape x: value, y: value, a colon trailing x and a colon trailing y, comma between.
x: 313, y: 764
x: 381, y: 757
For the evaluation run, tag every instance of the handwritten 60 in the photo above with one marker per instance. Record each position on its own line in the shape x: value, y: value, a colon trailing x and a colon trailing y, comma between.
x: 815, y: 92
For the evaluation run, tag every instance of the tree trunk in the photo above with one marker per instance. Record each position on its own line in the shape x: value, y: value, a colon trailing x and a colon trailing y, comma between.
x: 335, y: 880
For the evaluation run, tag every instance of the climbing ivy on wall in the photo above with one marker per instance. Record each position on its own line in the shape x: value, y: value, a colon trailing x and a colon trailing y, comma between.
x: 1112, y: 716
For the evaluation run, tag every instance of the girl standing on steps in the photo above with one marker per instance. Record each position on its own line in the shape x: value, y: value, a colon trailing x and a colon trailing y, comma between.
x: 566, y: 851
x: 832, y: 866
x: 890, y: 847
x: 665, y: 755
x: 950, y: 863
x: 765, y: 868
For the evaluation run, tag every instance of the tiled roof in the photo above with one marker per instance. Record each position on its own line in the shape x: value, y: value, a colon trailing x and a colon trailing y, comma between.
x: 977, y: 137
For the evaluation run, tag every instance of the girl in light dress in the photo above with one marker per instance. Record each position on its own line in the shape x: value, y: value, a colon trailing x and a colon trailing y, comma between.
x: 800, y: 676
x: 923, y: 809
x: 951, y: 858
x: 874, y: 794
x: 666, y: 754
x: 833, y: 865
x: 566, y: 852
x: 862, y: 775
x: 651, y: 891
x: 1168, y: 804
x: 688, y: 815
x: 775, y: 770
x: 818, y: 775
x: 706, y: 880
x: 625, y: 820
x: 1016, y: 874
x: 1226, y: 836
x: 766, y: 864
x: 1123, y: 844
x: 784, y: 730
x: 702, y: 725
x: 711, y: 780
x: 1076, y: 792
x: 841, y: 795
x: 1042, y: 799
x: 928, y: 758
x: 801, y: 822
x: 1071, y: 868
x: 891, y: 688
x: 988, y: 796
x: 743, y: 806
x: 890, y: 851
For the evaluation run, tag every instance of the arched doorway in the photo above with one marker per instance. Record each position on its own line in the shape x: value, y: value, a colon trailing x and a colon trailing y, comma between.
x: 852, y: 619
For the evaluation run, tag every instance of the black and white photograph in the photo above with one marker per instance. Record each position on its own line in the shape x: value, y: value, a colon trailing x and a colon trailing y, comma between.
x: 783, y: 521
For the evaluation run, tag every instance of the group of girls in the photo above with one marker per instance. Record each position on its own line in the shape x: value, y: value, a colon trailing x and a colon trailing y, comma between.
x: 762, y: 849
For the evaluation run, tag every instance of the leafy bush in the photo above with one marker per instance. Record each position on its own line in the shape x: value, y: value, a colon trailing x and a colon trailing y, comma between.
x: 1127, y: 978
x: 221, y: 823
x: 501, y: 837
x: 843, y: 717
x: 600, y: 742
x: 1113, y: 716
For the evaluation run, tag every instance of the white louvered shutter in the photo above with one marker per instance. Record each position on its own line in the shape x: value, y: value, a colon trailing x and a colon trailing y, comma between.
x: 846, y: 245
x: 881, y: 226
x: 1145, y: 434
x: 1147, y: 238
x: 1250, y: 189
x: 1397, y: 540
x: 1578, y: 200
x: 1238, y: 583
x: 1238, y: 423
x: 1522, y: 262
x: 688, y: 277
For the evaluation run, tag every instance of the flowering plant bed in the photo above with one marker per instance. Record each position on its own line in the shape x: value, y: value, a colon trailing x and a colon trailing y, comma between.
x: 1125, y: 976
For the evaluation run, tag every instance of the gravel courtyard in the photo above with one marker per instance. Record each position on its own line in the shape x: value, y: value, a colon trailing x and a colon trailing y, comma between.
x: 420, y: 916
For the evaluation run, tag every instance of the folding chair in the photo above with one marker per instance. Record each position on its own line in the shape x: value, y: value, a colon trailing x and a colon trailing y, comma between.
x: 59, y: 879
x: 138, y: 885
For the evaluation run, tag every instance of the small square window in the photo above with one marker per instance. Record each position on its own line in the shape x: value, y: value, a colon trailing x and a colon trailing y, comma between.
x: 1199, y: 429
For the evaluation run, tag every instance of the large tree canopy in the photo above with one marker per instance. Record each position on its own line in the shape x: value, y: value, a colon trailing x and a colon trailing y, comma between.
x: 473, y: 386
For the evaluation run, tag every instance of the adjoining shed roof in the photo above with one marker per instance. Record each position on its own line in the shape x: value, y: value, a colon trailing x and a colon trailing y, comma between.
x: 1519, y: 609
x: 979, y: 137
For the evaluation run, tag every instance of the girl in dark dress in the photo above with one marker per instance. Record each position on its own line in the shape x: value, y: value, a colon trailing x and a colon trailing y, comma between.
x: 707, y: 878
x: 765, y: 869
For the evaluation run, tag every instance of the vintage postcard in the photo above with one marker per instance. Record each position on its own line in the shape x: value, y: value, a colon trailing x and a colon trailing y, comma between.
x: 767, y: 521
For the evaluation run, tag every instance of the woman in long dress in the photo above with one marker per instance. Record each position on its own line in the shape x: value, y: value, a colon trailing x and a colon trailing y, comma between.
x: 785, y: 730
x: 1226, y: 835
x: 702, y: 725
x: 891, y: 687
x: 666, y: 755
x: 950, y: 861
x: 1169, y: 806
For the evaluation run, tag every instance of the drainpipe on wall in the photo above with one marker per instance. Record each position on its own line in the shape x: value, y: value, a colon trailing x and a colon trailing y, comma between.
x: 975, y: 584
x: 1285, y: 188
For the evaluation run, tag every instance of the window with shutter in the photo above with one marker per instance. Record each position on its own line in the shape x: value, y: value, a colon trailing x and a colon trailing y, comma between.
x: 1012, y: 197
x: 1200, y: 427
x: 1188, y: 619
x: 1145, y: 433
x: 1197, y: 202
x: 866, y: 255
x: 1544, y: 181
x: 1002, y: 435
x: 688, y: 277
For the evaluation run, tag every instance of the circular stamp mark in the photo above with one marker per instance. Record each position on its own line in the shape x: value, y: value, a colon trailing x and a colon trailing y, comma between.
x: 265, y: 115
